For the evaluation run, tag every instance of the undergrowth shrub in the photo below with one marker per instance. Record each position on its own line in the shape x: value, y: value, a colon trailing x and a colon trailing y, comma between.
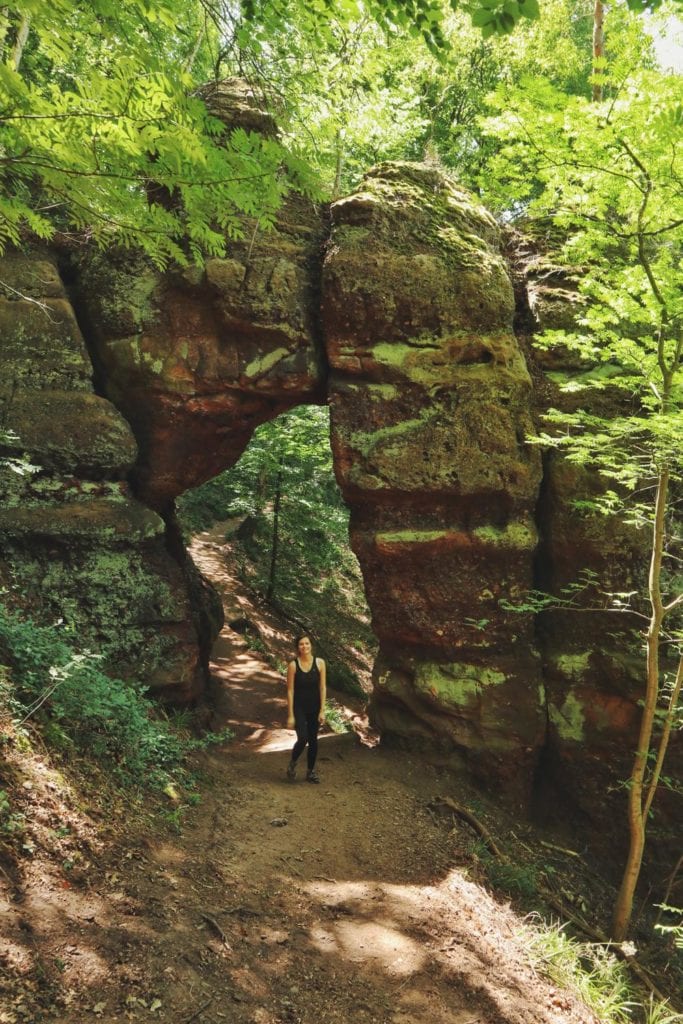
x: 588, y: 969
x: 594, y: 973
x: 78, y: 705
x: 675, y: 930
x: 512, y: 879
x: 334, y: 718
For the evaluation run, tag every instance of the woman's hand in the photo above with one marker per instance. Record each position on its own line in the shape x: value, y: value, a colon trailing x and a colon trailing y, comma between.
x: 321, y: 718
x: 290, y: 721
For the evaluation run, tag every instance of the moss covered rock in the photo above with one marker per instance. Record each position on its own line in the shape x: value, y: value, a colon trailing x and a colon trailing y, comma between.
x: 71, y: 432
x: 431, y: 405
x: 196, y: 359
x: 75, y: 545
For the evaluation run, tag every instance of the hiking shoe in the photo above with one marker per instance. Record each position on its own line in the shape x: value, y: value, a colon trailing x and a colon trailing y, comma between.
x: 312, y: 775
x: 291, y: 771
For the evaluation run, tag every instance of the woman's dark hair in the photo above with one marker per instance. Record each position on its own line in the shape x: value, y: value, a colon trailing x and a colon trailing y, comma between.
x: 302, y: 636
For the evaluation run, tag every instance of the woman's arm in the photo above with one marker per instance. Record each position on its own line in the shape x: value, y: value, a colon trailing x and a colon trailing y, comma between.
x: 291, y: 669
x: 322, y: 668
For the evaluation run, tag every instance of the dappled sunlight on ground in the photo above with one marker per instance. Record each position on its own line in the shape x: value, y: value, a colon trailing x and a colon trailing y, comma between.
x: 270, y: 902
x: 367, y: 942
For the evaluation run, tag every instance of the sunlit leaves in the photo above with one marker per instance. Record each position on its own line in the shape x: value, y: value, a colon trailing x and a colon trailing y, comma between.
x: 610, y: 176
x: 499, y: 17
x: 639, y: 6
x: 100, y: 135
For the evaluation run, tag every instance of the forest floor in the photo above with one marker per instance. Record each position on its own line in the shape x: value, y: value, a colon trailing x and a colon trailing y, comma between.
x: 263, y: 901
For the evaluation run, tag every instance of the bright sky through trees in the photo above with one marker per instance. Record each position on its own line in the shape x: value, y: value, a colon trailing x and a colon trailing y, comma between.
x: 668, y: 43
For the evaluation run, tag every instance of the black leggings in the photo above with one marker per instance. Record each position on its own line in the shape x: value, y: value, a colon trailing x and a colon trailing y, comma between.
x: 306, y: 725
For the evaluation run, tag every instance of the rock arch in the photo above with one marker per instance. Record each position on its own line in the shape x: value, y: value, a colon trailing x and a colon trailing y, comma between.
x: 132, y: 385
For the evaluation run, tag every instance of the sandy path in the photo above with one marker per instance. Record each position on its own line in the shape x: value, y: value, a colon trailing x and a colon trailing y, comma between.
x: 353, y: 909
x: 280, y: 903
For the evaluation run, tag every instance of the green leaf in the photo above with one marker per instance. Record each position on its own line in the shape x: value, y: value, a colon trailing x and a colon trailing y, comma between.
x: 530, y: 9
x: 482, y: 17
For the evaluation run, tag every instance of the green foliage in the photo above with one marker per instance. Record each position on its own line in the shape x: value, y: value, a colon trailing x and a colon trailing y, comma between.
x: 607, y: 174
x: 516, y: 880
x: 103, y: 133
x: 661, y: 1013
x: 314, y: 519
x: 334, y: 718
x: 346, y: 100
x: 212, y: 502
x: 593, y: 972
x: 640, y: 6
x: 11, y: 823
x: 674, y: 930
x: 105, y: 136
x: 420, y: 19
x: 17, y: 464
x: 499, y: 18
x: 317, y: 581
x: 66, y: 690
x: 588, y: 969
x: 607, y: 177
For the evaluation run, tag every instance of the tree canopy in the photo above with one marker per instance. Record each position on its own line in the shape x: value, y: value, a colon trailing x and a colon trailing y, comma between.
x: 105, y: 136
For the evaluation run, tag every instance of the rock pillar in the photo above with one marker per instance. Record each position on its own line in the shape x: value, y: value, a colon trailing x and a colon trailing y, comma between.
x: 430, y: 410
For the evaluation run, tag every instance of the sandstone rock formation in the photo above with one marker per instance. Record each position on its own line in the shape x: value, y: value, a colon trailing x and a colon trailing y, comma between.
x: 197, y: 359
x: 431, y: 404
x: 593, y: 663
x: 403, y: 316
x: 75, y: 545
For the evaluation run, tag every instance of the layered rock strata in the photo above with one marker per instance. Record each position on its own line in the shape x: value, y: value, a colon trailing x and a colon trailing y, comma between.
x: 75, y: 545
x: 431, y: 401
x: 196, y: 359
x: 592, y: 652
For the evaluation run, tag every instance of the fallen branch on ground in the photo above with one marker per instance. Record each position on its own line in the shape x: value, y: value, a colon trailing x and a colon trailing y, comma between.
x: 207, y: 1004
x: 467, y: 816
x: 217, y: 928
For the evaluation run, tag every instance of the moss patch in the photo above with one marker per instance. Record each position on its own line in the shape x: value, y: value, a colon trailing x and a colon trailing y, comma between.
x: 568, y: 718
x: 517, y: 536
x: 573, y: 666
x: 364, y: 442
x: 258, y: 367
x: 411, y: 536
x: 42, y: 347
x: 120, y: 292
x: 72, y: 432
x: 98, y: 521
x: 455, y: 685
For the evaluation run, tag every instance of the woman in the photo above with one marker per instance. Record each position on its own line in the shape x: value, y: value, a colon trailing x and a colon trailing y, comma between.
x: 306, y: 687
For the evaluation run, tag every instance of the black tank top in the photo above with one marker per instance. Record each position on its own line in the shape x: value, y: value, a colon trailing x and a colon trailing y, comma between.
x: 307, y: 688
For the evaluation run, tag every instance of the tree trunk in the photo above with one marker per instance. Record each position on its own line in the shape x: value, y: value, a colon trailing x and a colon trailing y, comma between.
x: 4, y: 25
x: 598, y: 50
x: 637, y: 807
x: 270, y: 591
x: 336, y: 189
x: 189, y: 63
x: 22, y: 36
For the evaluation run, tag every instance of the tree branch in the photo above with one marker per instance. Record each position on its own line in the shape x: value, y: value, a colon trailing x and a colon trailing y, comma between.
x: 664, y: 739
x: 20, y: 43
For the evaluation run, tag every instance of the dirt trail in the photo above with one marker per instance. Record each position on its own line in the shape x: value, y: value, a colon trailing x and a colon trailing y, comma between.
x: 287, y: 903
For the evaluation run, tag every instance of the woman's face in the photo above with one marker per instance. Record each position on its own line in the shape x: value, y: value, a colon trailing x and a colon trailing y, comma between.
x: 304, y: 647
